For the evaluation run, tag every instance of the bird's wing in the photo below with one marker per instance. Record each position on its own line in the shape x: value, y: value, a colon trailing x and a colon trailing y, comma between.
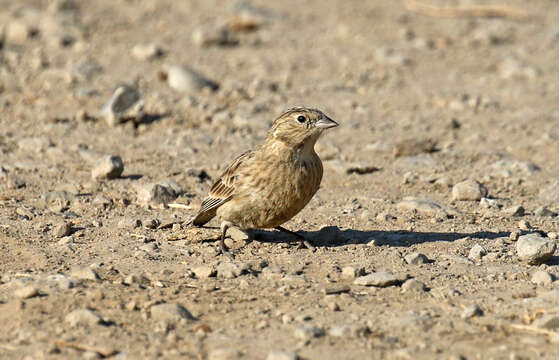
x: 222, y: 190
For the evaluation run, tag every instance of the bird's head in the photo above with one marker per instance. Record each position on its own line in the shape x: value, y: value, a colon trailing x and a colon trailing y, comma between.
x: 300, y: 126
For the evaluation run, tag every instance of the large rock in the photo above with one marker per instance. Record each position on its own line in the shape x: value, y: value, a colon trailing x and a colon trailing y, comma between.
x: 535, y: 249
x: 124, y: 103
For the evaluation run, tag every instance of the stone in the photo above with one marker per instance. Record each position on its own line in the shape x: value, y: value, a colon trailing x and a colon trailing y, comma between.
x: 414, y: 146
x: 339, y: 331
x: 547, y: 321
x: 213, y: 35
x: 171, y: 312
x: 541, y: 277
x: 26, y: 292
x: 488, y: 203
x: 413, y: 285
x: 147, y: 51
x: 239, y: 235
x: 282, y: 355
x: 471, y: 311
x: 20, y: 31
x: 184, y: 79
x: 524, y: 225
x: 60, y: 281
x: 477, y: 252
x: 225, y: 354
x: 204, y: 271
x: 535, y: 249
x: 159, y: 193
x: 543, y: 211
x: 424, y: 205
x: 57, y: 201
x: 380, y: 279
x: 85, y: 273
x: 351, y: 272
x: 306, y: 332
x: 228, y: 270
x: 108, y: 167
x: 468, y: 190
x: 124, y: 103
x: 515, y: 210
x: 83, y: 317
x: 129, y: 223
x: 62, y: 229
x: 550, y: 194
x: 35, y: 144
x: 416, y: 258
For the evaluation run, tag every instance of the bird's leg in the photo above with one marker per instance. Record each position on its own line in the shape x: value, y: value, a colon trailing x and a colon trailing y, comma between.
x: 225, y: 225
x: 302, y: 241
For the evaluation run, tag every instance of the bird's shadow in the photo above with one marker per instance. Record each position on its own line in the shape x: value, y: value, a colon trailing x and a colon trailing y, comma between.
x: 332, y: 236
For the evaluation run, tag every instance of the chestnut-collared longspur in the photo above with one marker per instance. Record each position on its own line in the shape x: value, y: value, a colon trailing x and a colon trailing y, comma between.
x: 268, y: 185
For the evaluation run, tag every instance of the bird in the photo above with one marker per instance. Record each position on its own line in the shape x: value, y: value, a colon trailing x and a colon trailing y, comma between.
x: 268, y: 185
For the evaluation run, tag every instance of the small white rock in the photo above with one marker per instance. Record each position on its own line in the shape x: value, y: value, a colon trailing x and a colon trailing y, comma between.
x: 108, y: 167
x: 469, y: 190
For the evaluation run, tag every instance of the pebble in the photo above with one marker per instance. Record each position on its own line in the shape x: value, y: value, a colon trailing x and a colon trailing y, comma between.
x: 85, y: 273
x: 239, y: 235
x: 477, y: 252
x: 351, y: 272
x: 108, y: 167
x: 228, y: 270
x: 124, y: 103
x: 19, y: 31
x: 213, y: 35
x: 416, y: 258
x: 225, y: 354
x: 62, y: 229
x: 204, y: 271
x: 389, y: 56
x: 36, y: 144
x: 306, y: 332
x: 516, y: 210
x: 550, y: 194
x: 172, y: 312
x: 282, y: 355
x: 83, y: 317
x: 471, y: 311
x: 468, y: 190
x: 147, y: 51
x: 541, y: 277
x: 511, y: 68
x: 26, y: 292
x: 424, y: 205
x: 383, y: 216
x: 339, y: 331
x: 514, y: 235
x: 547, y: 321
x: 159, y: 193
x: 182, y: 78
x: 524, y: 225
x: 129, y: 223
x: 488, y: 203
x: 535, y: 249
x: 57, y: 201
x: 413, y: 147
x: 413, y: 285
x: 60, y: 281
x: 543, y: 211
x: 380, y: 279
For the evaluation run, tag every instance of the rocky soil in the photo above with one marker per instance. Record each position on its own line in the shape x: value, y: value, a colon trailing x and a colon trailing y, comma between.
x: 435, y: 228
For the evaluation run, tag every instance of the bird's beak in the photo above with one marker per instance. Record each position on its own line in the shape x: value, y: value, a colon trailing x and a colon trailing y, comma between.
x: 325, y: 123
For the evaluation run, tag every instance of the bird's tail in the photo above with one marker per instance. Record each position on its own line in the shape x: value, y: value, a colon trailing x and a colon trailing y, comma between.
x: 203, y: 217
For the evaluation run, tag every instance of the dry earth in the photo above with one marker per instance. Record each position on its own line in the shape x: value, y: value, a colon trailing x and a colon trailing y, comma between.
x: 95, y: 268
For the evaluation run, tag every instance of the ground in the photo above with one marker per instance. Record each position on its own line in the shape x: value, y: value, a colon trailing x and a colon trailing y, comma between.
x: 90, y: 267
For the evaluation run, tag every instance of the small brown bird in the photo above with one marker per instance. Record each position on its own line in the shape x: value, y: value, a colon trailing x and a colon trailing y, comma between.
x: 268, y: 185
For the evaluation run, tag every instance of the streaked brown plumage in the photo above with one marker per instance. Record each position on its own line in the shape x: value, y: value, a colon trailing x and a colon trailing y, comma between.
x: 267, y: 186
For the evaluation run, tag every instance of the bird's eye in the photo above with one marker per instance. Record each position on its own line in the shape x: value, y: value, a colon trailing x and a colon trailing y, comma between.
x: 301, y: 119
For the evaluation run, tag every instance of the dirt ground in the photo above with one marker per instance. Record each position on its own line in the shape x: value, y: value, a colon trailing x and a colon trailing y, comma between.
x: 93, y: 268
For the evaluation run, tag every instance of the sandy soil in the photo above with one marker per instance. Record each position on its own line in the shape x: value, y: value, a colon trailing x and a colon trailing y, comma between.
x: 93, y: 268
